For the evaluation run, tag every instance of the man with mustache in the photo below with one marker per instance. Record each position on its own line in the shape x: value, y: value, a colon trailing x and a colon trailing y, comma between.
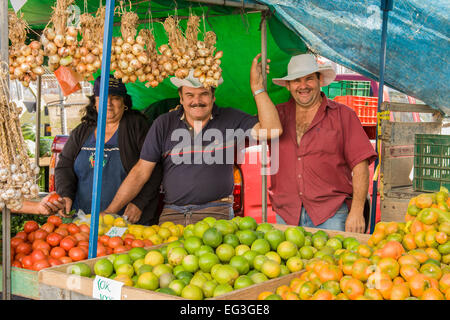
x: 323, y: 175
x: 195, y: 187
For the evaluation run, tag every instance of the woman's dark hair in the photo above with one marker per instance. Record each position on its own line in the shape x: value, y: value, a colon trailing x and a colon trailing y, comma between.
x: 90, y: 111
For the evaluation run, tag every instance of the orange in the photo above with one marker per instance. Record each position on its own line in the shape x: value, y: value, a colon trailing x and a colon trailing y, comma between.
x: 433, y: 253
x: 295, y: 287
x: 416, y: 226
x: 263, y: 295
x: 444, y: 282
x: 408, y: 241
x: 353, y: 288
x: 364, y: 250
x: 424, y: 201
x: 377, y: 236
x: 373, y: 294
x: 441, y: 237
x: 420, y: 255
x: 398, y: 280
x: 400, y: 291
x: 307, y: 290
x: 408, y: 259
x: 408, y: 271
x: 391, y: 227
x: 432, y: 294
x: 341, y: 296
x: 361, y: 269
x: 389, y: 266
x: 322, y: 295
x: 281, y: 290
x: 329, y: 272
x: 419, y: 283
x: 290, y: 296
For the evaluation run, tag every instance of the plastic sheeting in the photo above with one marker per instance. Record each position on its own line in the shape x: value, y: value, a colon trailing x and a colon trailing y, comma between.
x: 349, y: 33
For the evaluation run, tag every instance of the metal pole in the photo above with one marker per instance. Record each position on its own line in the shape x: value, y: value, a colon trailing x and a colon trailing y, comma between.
x: 386, y: 6
x: 38, y: 120
x: 236, y: 4
x: 6, y: 213
x: 264, y: 141
x: 101, y: 124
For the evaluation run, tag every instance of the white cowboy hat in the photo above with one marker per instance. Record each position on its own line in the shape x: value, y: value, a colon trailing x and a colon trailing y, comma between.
x: 303, y: 65
x: 189, y: 81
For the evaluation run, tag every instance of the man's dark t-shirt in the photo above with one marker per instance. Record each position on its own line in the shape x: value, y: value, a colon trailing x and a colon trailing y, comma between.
x: 196, y: 171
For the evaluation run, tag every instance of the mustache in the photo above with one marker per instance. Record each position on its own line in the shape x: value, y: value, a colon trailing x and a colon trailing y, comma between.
x: 198, y: 105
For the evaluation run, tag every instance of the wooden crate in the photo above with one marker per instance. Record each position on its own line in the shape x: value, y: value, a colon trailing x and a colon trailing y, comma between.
x: 56, y: 283
x: 24, y: 283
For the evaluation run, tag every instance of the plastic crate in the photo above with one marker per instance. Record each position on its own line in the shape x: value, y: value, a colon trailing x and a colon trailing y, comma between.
x: 347, y: 88
x: 365, y: 107
x: 431, y: 162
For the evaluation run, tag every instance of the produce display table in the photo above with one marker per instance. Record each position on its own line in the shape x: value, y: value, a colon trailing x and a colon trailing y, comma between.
x: 24, y: 283
x: 56, y: 283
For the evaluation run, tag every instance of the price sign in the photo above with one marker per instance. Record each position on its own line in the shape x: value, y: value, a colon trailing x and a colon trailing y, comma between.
x: 116, y: 231
x: 107, y: 289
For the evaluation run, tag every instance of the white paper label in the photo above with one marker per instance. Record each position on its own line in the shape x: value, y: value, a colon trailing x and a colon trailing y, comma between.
x: 17, y: 4
x: 116, y: 231
x: 107, y: 289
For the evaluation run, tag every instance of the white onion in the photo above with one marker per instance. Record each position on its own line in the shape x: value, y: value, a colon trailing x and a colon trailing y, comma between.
x: 140, y: 40
x: 51, y: 48
x: 72, y: 31
x: 119, y: 41
x: 54, y: 59
x: 50, y: 34
x: 38, y: 70
x: 96, y: 51
x: 18, y: 73
x: 90, y: 58
x: 25, y: 67
x: 25, y: 50
x: 90, y: 68
x: 143, y: 58
x: 36, y: 45
x: 123, y: 64
x: 81, y: 68
x: 130, y: 40
x: 97, y: 64
x: 137, y: 49
x: 59, y: 40
x: 133, y: 78
x: 70, y: 40
x: 126, y: 47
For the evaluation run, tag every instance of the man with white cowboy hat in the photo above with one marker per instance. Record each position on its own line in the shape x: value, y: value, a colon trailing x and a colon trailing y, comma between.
x: 323, y: 175
x: 194, y: 187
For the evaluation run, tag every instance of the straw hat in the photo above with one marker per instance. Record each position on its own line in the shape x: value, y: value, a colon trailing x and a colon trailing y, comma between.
x: 303, y: 65
x: 189, y: 81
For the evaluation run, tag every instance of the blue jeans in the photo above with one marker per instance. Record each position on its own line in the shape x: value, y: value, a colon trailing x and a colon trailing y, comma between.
x: 336, y: 222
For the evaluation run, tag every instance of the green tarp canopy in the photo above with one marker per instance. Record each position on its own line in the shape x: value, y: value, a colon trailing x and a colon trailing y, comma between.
x: 238, y: 36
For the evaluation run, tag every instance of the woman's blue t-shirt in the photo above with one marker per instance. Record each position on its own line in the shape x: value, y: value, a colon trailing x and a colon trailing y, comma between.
x: 112, y: 175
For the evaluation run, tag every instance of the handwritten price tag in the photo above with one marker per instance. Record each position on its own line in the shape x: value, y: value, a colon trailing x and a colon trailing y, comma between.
x: 107, y: 289
x: 116, y: 231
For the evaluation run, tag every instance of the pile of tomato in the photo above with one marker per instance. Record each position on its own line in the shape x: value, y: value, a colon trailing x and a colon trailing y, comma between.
x: 55, y: 243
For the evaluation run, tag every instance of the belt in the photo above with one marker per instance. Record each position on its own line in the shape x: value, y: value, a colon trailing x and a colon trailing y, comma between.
x: 188, y: 209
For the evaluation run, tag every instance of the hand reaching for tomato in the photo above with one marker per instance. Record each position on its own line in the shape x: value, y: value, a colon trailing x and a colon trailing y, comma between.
x: 52, y: 204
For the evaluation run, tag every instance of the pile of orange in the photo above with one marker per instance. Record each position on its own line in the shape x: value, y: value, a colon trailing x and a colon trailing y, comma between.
x: 402, y: 261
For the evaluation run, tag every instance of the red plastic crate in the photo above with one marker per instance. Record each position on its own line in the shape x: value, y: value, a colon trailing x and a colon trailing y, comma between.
x: 365, y: 108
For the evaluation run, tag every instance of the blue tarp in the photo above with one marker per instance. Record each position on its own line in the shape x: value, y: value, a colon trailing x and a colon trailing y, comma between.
x: 349, y: 33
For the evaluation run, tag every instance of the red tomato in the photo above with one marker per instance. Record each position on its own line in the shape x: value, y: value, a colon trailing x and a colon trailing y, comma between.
x: 49, y: 227
x: 120, y: 249
x: 77, y: 254
x: 57, y: 252
x: 137, y: 243
x: 27, y: 262
x: 40, y: 234
x: 19, y: 257
x: 85, y: 249
x: 63, y: 225
x: 24, y: 248
x: 30, y: 226
x: 36, y: 243
x: 67, y: 243
x: 41, y: 264
x: 65, y: 260
x: 104, y: 239
x: 15, y: 242
x: 109, y: 250
x: 44, y: 246
x: 83, y: 243
x: 85, y: 228
x: 16, y: 264
x: 22, y: 235
x: 62, y: 231
x: 73, y: 228
x: 30, y: 236
x: 128, y: 241
x: 54, y: 262
x: 38, y: 255
x: 54, y: 197
x: 79, y: 237
x: 115, y: 242
x: 55, y: 220
x: 101, y: 250
x: 54, y: 239
x: 148, y: 243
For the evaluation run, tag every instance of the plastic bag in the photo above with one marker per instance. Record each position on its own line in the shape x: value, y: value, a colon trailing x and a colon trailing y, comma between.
x: 68, y: 79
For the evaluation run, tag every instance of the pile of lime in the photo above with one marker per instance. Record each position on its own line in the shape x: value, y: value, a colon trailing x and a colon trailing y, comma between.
x: 214, y: 257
